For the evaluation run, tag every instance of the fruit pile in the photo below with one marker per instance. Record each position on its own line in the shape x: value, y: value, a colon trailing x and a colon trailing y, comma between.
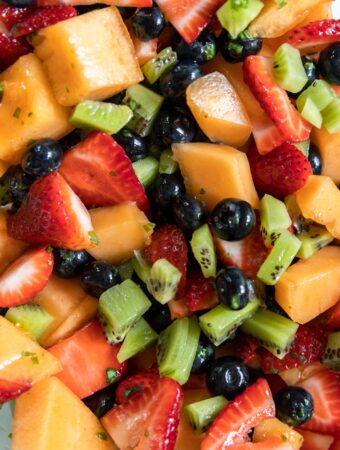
x: 169, y: 224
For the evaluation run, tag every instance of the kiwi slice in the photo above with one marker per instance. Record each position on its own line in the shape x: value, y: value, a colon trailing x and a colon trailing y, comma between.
x: 163, y: 280
x: 300, y: 224
x: 274, y: 219
x: 331, y: 116
x: 319, y: 92
x: 166, y: 163
x: 310, y: 112
x: 288, y: 69
x: 273, y: 331
x: 201, y: 414
x: 145, y: 105
x: 138, y: 338
x: 140, y: 266
x: 146, y: 170
x: 119, y: 308
x: 30, y: 317
x: 279, y: 259
x: 155, y: 67
x: 203, y: 248
x: 313, y: 240
x: 331, y: 357
x: 303, y: 147
x: 102, y: 116
x: 219, y: 323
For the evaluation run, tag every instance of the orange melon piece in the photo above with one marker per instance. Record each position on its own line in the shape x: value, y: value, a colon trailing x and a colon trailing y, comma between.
x: 329, y: 146
x: 322, y: 11
x: 121, y: 229
x: 274, y: 427
x: 218, y: 110
x: 10, y: 249
x: 28, y: 108
x: 88, y: 57
x: 3, y: 167
x: 298, y: 374
x: 51, y: 417
x: 319, y: 200
x: 311, y: 286
x: 214, y: 172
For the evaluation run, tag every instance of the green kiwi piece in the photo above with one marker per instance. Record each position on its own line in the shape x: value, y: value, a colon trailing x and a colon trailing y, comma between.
x: 30, y: 317
x: 274, y: 332
x: 301, y: 225
x: 146, y: 170
x: 102, y: 116
x: 201, y: 414
x: 303, y: 146
x: 155, y: 67
x: 288, y: 69
x: 219, y: 323
x: 140, y: 266
x: 145, y: 105
x: 279, y: 259
x: 138, y: 338
x: 119, y: 308
x: 331, y: 357
x: 166, y: 162
x: 163, y: 280
x: 203, y: 248
x: 319, y: 92
x: 235, y: 16
x: 310, y: 112
x: 331, y: 116
x: 274, y: 219
x: 313, y: 240
x: 125, y: 270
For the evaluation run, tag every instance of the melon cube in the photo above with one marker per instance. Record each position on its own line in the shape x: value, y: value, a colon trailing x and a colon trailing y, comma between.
x: 329, y: 146
x: 10, y: 249
x: 88, y: 57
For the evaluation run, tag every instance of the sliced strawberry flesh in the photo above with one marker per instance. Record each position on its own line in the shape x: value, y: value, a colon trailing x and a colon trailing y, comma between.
x: 11, y: 50
x: 333, y: 318
x: 136, y: 383
x: 200, y: 292
x: 10, y: 15
x: 12, y: 389
x: 315, y: 35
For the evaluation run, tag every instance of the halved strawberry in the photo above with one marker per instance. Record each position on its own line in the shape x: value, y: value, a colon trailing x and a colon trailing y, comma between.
x: 178, y: 308
x: 335, y: 445
x: 131, y: 3
x: 11, y: 50
x: 266, y: 134
x: 149, y: 420
x: 189, y: 17
x: 25, y: 277
x: 314, y: 36
x: 9, y: 15
x: 274, y: 100
x: 136, y: 383
x: 100, y: 172
x: 11, y: 389
x: 333, y: 318
x: 52, y: 214
x: 199, y: 292
x: 315, y: 441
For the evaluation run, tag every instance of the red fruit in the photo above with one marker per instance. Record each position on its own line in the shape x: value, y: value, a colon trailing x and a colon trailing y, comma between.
x: 178, y: 308
x: 266, y: 134
x: 169, y: 242
x: 281, y: 172
x: 25, y: 277
x: 100, y: 172
x: 247, y: 350
x: 324, y: 387
x: 274, y: 100
x: 11, y: 389
x: 189, y: 17
x: 200, y: 292
x: 52, y: 214
x: 335, y: 445
x: 149, y: 420
x: 314, y: 36
x: 11, y: 50
x: 136, y: 383
x: 134, y: 3
x: 333, y: 318
x: 240, y: 415
x: 10, y: 15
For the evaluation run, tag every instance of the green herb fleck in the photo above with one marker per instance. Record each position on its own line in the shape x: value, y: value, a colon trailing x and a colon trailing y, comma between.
x: 10, y: 436
x: 112, y: 173
x: 146, y: 433
x: 17, y: 112
x: 111, y: 375
x: 203, y: 191
x: 31, y: 142
x: 148, y: 227
x: 93, y: 237
x: 27, y: 354
x: 284, y: 437
x: 35, y: 360
x: 274, y: 370
x: 132, y: 390
x: 102, y: 436
x: 49, y: 248
x: 281, y: 3
x: 2, y: 87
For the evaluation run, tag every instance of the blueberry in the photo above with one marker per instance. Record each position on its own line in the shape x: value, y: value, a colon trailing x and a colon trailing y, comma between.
x: 329, y: 63
x: 189, y: 213
x: 14, y: 186
x: 314, y: 158
x: 133, y: 144
x: 236, y: 50
x: 174, y: 82
x: 126, y: 13
x: 233, y: 219
x: 98, y: 276
x: 158, y: 317
x: 174, y: 125
x: 294, y: 405
x: 166, y: 189
x: 205, y: 355
x: 227, y: 376
x: 101, y: 401
x: 232, y: 288
x: 69, y: 263
x: 42, y: 157
x: 20, y: 3
x: 147, y: 23
x: 201, y: 50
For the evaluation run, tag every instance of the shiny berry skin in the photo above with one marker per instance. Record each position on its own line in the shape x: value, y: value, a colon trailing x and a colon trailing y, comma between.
x: 158, y: 317
x: 174, y: 82
x: 201, y: 50
x: 314, y: 159
x: 329, y: 63
x: 205, y: 355
x: 101, y: 401
x: 14, y: 185
x: 236, y: 50
x: 167, y: 188
x: 189, y: 213
x: 232, y: 288
x: 69, y: 263
x: 43, y: 157
x: 294, y: 405
x: 233, y: 219
x: 134, y: 145
x: 227, y: 376
x: 147, y: 23
x: 98, y: 276
x: 20, y: 3
x: 174, y: 125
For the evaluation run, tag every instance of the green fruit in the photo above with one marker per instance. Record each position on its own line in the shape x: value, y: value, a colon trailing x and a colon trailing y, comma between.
x: 274, y: 219
x: 155, y: 67
x: 236, y: 15
x: 32, y: 318
x: 201, y: 414
x: 138, y: 338
x: 331, y: 357
x: 163, y: 281
x: 288, y: 69
x: 146, y: 170
x: 203, y: 248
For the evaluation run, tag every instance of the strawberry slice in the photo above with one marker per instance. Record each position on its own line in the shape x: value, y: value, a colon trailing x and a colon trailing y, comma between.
x: 25, y: 277
x: 274, y: 100
x: 266, y: 134
x: 149, y: 420
x: 200, y: 292
x: 41, y: 18
x: 136, y: 383
x: 189, y: 17
x: 333, y: 318
x: 12, y: 389
x: 9, y: 15
x: 52, y: 214
x: 11, y: 50
x: 324, y: 387
x: 231, y: 426
x: 314, y: 36
x: 100, y: 172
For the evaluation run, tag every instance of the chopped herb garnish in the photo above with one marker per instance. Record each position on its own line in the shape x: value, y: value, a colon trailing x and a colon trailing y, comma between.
x: 93, y: 237
x: 111, y: 375
x: 132, y: 390
x: 284, y: 437
x: 102, y: 436
x: 281, y: 3
x: 1, y: 90
x: 112, y: 173
x: 203, y: 191
x: 31, y: 142
x: 35, y: 360
x: 17, y: 113
x: 27, y: 354
x: 10, y: 436
x: 148, y: 227
x: 49, y: 248
x: 274, y: 370
x: 146, y: 433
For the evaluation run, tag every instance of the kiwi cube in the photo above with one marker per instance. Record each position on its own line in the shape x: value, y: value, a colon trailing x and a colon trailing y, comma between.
x: 313, y: 240
x: 274, y: 219
x: 201, y: 414
x: 155, y: 67
x: 236, y: 16
x: 203, y: 248
x: 146, y: 170
x: 30, y: 317
x: 331, y: 357
x: 138, y: 338
x: 288, y: 69
x: 163, y: 280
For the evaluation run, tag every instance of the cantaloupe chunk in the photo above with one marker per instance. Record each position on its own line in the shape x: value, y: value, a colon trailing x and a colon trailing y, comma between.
x: 121, y: 229
x: 28, y: 109
x: 88, y: 57
x: 329, y: 146
x: 311, y: 286
x: 51, y: 417
x: 215, y: 172
x: 319, y: 200
x: 322, y: 11
x: 274, y: 427
x: 218, y: 110
x: 10, y: 249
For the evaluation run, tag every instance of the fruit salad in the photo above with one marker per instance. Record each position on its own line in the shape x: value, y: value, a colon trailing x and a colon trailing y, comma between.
x: 170, y: 224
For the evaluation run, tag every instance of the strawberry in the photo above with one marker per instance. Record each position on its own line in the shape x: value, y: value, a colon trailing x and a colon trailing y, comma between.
x: 11, y: 50
x: 266, y: 134
x: 189, y: 17
x: 231, y: 426
x: 200, y: 292
x: 11, y: 389
x: 100, y: 172
x: 41, y: 18
x: 247, y: 350
x: 315, y: 441
x: 52, y: 214
x: 128, y: 3
x: 9, y: 15
x: 324, y: 387
x: 169, y: 242
x: 274, y: 100
x: 335, y: 445
x: 314, y: 36
x: 149, y: 420
x: 333, y: 318
x: 281, y: 172
x: 136, y: 383
x: 25, y: 277
x: 178, y: 308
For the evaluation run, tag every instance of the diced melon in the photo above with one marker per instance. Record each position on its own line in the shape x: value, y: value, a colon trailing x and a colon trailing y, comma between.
x: 214, y: 172
x: 218, y: 110
x: 329, y: 146
x: 28, y: 109
x: 311, y: 286
x: 90, y: 56
x: 10, y: 249
x: 51, y: 417
x: 321, y: 12
x: 274, y: 427
x: 3, y: 167
x: 121, y: 229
